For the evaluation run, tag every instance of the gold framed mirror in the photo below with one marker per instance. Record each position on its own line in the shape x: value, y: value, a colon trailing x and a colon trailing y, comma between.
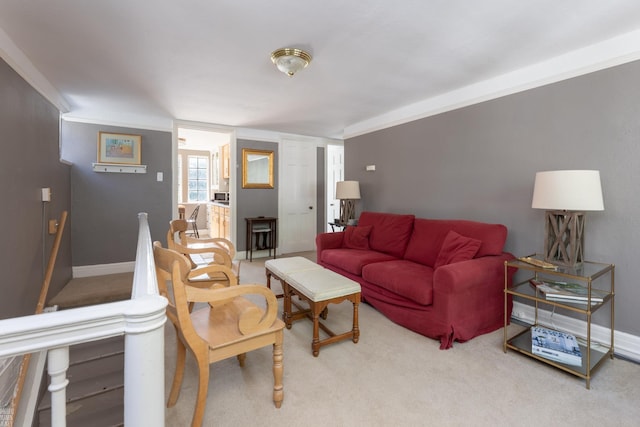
x: 257, y: 168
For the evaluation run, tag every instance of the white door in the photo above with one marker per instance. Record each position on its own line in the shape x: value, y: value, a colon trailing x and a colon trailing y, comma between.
x: 297, y: 194
x: 335, y: 173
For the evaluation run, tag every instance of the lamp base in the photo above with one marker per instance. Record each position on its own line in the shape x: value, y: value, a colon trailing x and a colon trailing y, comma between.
x: 347, y: 210
x: 564, y: 237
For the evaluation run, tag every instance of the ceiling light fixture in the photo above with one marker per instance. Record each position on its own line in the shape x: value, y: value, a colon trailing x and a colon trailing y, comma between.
x: 290, y: 60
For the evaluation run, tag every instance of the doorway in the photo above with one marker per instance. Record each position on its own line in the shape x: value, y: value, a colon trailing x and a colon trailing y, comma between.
x: 199, y: 171
x: 335, y: 173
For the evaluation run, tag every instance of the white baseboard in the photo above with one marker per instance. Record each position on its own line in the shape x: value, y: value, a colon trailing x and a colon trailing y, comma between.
x: 625, y: 345
x: 102, y: 269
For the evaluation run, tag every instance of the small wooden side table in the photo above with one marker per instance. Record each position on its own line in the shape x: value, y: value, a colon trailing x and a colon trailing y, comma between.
x: 257, y: 226
x: 339, y: 225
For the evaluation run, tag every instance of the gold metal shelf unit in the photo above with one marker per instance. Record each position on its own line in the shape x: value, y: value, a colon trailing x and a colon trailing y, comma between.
x: 588, y: 272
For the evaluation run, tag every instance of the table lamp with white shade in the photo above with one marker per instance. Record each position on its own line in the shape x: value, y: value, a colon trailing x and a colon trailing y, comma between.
x: 566, y: 195
x: 347, y: 192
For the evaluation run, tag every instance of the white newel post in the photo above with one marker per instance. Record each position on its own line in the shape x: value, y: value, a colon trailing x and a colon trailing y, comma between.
x: 144, y: 341
x: 58, y: 363
x: 144, y: 377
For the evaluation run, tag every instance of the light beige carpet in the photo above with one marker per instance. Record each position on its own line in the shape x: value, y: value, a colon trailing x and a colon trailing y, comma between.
x: 94, y: 290
x: 394, y: 377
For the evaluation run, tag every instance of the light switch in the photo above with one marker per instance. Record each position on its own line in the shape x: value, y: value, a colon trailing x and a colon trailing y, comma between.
x: 46, y: 194
x: 159, y: 176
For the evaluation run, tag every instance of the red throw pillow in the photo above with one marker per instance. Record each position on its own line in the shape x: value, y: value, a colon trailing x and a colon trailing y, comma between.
x: 357, y: 237
x: 456, y: 248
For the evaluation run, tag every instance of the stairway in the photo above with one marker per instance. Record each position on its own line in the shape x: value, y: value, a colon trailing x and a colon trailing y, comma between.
x: 95, y: 394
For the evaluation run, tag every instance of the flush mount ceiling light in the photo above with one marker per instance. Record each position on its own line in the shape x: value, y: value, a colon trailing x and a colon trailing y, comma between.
x: 290, y: 60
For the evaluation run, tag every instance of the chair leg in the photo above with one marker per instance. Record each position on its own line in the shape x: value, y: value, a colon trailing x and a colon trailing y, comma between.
x: 203, y: 386
x: 179, y: 374
x: 241, y: 358
x: 278, y: 389
x: 238, y: 270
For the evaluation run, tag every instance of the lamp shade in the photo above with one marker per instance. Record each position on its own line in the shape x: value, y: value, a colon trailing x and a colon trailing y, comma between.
x: 347, y: 190
x: 570, y: 190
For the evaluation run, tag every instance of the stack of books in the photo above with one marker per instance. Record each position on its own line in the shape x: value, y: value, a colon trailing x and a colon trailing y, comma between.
x: 555, y: 345
x: 568, y: 292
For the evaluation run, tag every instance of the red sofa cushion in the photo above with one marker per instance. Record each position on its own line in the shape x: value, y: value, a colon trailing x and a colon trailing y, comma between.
x: 357, y: 237
x: 389, y: 232
x: 456, y: 248
x: 405, y: 278
x: 429, y: 234
x: 352, y: 260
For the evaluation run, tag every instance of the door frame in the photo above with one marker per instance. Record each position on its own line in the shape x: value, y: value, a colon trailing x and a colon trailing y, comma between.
x: 205, y: 127
x: 330, y: 183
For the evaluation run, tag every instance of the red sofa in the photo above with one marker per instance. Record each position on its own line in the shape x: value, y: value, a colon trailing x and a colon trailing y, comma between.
x: 440, y: 278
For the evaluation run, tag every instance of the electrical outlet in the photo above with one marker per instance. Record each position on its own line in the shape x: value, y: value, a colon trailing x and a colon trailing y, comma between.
x: 53, y: 226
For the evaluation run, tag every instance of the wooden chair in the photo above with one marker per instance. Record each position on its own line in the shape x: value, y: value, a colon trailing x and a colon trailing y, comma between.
x: 203, y: 252
x: 193, y: 220
x: 230, y: 325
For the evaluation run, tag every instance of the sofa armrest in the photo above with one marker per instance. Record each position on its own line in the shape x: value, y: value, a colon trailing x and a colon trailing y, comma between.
x: 470, y: 276
x: 462, y: 288
x: 468, y: 297
x: 328, y: 241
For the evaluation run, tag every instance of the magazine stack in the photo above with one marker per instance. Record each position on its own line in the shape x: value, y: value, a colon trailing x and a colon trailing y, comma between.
x: 555, y: 345
x: 568, y: 292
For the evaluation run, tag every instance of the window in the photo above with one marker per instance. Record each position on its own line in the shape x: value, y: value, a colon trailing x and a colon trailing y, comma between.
x: 198, y: 178
x: 194, y: 170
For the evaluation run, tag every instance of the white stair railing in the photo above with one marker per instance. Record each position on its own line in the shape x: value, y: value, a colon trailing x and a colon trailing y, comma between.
x: 141, y: 319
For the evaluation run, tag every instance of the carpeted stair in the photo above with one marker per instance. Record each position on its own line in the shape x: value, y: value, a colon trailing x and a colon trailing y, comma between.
x: 95, y: 394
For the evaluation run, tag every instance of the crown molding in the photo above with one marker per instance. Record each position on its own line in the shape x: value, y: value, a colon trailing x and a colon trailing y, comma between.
x: 17, y: 60
x: 273, y: 136
x: 609, y: 53
x: 142, y: 123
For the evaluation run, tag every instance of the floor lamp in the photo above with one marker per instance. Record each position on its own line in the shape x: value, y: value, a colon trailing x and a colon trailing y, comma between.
x: 347, y: 192
x: 566, y: 195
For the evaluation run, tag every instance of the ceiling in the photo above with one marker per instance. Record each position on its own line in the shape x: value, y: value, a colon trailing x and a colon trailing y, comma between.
x: 150, y: 62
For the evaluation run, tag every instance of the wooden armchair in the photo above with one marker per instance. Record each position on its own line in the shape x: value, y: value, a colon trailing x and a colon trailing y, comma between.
x: 203, y: 252
x: 230, y: 325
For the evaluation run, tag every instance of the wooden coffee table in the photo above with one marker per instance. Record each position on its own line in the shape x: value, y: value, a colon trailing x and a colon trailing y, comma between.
x: 319, y: 287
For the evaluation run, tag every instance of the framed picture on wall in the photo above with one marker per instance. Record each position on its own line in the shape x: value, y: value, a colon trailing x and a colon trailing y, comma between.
x: 119, y: 148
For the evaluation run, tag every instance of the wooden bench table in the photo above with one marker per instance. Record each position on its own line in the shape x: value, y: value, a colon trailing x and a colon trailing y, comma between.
x: 319, y: 287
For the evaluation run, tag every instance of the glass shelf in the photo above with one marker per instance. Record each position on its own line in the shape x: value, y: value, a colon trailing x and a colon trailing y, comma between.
x: 587, y: 273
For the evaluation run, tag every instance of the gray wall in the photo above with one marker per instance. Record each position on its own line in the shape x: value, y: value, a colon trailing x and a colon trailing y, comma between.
x: 105, y: 206
x: 253, y: 202
x: 479, y: 163
x: 29, y: 162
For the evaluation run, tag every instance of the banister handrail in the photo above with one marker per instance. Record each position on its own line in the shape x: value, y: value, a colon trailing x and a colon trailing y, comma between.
x: 140, y: 319
x: 39, y: 332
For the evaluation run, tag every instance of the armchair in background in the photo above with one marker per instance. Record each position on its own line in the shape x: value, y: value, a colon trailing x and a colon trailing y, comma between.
x: 204, y: 252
